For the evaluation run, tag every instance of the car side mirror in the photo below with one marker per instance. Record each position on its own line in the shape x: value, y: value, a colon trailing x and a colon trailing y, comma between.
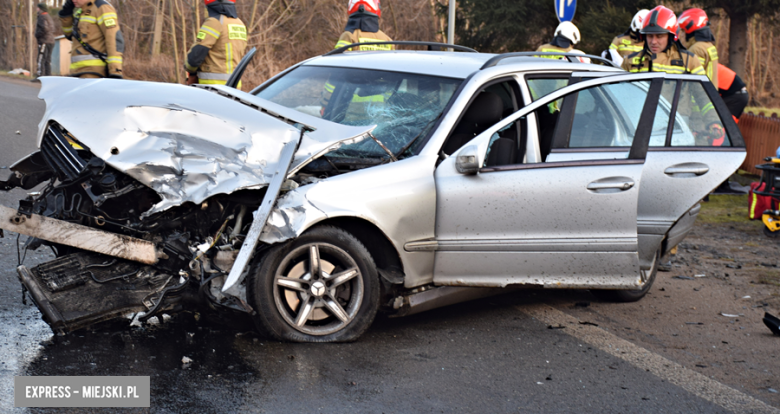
x: 467, y: 160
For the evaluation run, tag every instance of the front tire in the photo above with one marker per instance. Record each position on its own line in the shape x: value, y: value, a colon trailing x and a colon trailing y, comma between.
x: 321, y: 287
x: 647, y: 277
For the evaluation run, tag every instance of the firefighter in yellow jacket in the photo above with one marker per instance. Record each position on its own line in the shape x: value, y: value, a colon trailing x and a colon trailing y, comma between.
x: 661, y: 52
x: 363, y: 26
x: 97, y: 42
x: 699, y: 40
x: 565, y: 37
x: 220, y: 46
x: 629, y: 42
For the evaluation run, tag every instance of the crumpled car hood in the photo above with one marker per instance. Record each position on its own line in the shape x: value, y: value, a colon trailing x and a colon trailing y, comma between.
x: 186, y: 143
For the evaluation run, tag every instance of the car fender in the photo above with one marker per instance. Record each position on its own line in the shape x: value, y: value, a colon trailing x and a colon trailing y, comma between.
x: 398, y: 198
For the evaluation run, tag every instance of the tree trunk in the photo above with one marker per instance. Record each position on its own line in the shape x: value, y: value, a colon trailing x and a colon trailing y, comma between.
x: 159, y: 15
x: 738, y: 43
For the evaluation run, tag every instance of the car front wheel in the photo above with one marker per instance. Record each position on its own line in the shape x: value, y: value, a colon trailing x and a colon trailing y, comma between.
x: 646, y: 279
x: 321, y: 287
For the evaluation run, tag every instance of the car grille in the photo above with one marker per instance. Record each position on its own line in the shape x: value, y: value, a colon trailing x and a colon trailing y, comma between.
x: 60, y: 155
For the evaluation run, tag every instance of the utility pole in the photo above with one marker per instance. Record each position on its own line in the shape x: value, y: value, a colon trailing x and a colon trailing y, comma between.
x: 451, y: 24
x: 30, y: 40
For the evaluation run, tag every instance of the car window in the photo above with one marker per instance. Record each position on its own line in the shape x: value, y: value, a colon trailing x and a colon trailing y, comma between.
x: 539, y: 87
x: 544, y: 86
x: 700, y: 124
x: 490, y: 105
x: 607, y: 115
x: 404, y: 106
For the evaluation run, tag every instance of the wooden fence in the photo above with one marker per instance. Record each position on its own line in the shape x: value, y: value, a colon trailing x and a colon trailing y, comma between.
x: 762, y: 137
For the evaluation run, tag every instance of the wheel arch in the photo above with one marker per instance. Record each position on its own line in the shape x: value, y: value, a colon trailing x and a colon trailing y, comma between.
x: 380, y: 247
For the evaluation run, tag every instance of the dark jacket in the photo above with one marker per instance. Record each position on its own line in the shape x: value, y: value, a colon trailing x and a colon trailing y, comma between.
x: 44, y: 29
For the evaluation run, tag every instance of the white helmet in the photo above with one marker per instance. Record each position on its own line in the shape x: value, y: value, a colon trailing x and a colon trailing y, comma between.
x: 569, y: 31
x: 638, y: 20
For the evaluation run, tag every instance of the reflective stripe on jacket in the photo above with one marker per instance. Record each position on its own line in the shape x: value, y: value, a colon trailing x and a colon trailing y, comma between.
x: 225, y: 39
x: 670, y: 61
x: 626, y: 45
x: 98, y: 27
x: 358, y: 36
x: 708, y: 56
x: 552, y: 48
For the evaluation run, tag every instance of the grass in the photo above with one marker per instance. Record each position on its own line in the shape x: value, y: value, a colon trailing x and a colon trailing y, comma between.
x: 768, y: 277
x: 725, y: 208
x: 758, y: 109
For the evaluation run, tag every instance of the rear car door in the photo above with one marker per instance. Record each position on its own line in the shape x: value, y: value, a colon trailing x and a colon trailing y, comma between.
x: 699, y: 149
x: 694, y: 146
x: 570, y: 223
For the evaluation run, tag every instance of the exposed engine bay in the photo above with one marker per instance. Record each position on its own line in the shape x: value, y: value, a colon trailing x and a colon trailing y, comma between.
x: 197, y: 243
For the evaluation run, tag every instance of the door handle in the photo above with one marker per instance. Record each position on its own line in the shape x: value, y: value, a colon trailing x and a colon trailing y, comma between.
x: 610, y: 185
x: 687, y: 169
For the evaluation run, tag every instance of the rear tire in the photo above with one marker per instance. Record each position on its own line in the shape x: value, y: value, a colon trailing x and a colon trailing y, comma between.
x: 632, y: 295
x: 320, y: 287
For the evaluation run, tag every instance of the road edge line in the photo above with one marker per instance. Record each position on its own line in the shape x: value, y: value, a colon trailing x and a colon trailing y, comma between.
x: 687, y: 379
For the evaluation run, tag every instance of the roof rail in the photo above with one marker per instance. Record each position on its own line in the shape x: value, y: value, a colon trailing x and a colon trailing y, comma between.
x: 572, y: 57
x: 431, y: 46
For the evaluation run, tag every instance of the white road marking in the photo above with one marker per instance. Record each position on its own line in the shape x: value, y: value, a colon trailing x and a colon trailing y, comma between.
x: 659, y: 366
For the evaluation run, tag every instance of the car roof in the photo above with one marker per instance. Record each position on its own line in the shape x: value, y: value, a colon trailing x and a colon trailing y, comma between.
x: 448, y: 64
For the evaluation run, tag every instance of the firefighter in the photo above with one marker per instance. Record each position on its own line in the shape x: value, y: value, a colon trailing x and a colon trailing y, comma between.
x: 733, y: 91
x: 699, y: 40
x: 661, y: 51
x: 98, y: 43
x: 363, y: 26
x: 629, y: 42
x: 220, y: 46
x: 566, y: 35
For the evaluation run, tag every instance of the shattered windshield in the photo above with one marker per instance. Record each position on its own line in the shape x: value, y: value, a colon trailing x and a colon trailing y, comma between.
x: 404, y: 106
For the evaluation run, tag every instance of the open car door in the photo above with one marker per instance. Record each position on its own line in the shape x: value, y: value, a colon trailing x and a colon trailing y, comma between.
x: 570, y: 223
x: 694, y: 146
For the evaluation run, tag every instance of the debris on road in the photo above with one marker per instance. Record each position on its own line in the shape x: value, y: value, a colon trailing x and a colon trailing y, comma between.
x: 186, y: 360
x: 559, y: 326
x: 701, y: 275
x: 729, y: 315
x: 694, y: 323
x: 588, y: 323
x: 19, y: 71
x: 772, y: 322
x: 683, y: 277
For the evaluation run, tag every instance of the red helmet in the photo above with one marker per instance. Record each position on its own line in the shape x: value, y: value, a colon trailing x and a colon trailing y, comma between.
x: 692, y: 20
x: 660, y: 20
x: 217, y: 1
x: 371, y: 6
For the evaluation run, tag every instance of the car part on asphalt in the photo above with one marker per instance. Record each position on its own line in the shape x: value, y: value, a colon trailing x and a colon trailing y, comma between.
x: 772, y: 322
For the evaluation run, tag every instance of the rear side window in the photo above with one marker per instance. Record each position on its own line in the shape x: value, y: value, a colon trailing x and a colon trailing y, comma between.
x: 608, y: 115
x: 697, y: 123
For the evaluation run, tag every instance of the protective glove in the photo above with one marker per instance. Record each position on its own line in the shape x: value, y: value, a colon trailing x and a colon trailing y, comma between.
x: 716, y: 133
x: 67, y: 8
x: 192, y: 78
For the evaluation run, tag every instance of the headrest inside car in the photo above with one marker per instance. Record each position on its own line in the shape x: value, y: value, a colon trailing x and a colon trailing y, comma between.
x: 486, y: 109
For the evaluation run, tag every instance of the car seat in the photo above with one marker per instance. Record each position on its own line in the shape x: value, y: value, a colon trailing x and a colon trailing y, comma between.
x: 484, y: 112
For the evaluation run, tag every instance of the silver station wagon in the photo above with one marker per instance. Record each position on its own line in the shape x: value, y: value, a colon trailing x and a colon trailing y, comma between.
x: 358, y: 182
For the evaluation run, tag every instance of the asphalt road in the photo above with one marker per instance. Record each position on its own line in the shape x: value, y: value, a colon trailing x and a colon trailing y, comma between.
x: 493, y: 355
